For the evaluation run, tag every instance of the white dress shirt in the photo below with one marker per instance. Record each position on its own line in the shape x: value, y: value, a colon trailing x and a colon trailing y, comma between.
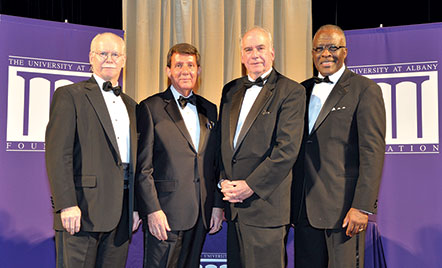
x: 190, y: 117
x: 120, y: 120
x: 247, y: 103
x: 319, y: 95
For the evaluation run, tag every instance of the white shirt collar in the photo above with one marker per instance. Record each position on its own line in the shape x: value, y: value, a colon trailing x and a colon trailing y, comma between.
x: 176, y: 94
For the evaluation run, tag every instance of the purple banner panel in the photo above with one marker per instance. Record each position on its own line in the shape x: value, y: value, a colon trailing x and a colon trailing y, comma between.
x: 405, y: 62
x: 214, y: 253
x: 36, y: 57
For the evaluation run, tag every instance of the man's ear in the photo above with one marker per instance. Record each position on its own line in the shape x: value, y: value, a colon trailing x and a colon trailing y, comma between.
x: 168, y: 72
x: 124, y: 61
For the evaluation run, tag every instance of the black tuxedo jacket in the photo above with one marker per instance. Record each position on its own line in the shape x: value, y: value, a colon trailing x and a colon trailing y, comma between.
x: 341, y: 160
x: 266, y: 150
x: 171, y: 175
x: 82, y: 157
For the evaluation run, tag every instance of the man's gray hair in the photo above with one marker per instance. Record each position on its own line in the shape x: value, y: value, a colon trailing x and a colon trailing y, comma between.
x: 260, y: 29
x: 333, y: 28
x: 98, y: 36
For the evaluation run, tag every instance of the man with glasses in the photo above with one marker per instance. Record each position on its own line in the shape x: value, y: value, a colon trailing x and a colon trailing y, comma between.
x: 339, y: 169
x: 91, y: 145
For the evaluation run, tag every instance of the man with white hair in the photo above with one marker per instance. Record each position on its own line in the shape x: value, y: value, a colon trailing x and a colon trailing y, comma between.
x: 91, y: 145
x: 261, y: 130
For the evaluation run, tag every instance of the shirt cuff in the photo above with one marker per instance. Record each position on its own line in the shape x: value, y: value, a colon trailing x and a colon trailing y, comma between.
x: 366, y: 212
x: 219, y: 183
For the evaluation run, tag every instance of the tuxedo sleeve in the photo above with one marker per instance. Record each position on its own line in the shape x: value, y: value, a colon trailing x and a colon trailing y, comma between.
x: 371, y: 137
x: 59, y: 141
x: 218, y: 196
x: 222, y: 174
x: 285, y: 144
x: 146, y: 193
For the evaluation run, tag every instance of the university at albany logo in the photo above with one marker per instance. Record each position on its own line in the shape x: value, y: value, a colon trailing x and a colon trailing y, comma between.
x: 213, y: 260
x: 31, y: 84
x: 411, y: 95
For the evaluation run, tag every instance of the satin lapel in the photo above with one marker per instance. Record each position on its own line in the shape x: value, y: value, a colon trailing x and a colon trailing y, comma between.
x: 237, y: 99
x: 258, y: 105
x: 336, y: 94
x: 204, y: 123
x: 96, y: 99
x: 172, y: 109
x: 133, y: 129
x: 308, y: 92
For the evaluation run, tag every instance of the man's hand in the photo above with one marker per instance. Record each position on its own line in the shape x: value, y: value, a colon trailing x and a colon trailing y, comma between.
x: 235, y: 191
x: 158, y: 225
x: 216, y: 220
x: 137, y: 221
x: 356, y: 221
x: 71, y: 219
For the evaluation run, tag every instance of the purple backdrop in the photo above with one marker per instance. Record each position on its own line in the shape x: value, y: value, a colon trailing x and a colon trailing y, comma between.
x: 404, y: 61
x: 36, y: 57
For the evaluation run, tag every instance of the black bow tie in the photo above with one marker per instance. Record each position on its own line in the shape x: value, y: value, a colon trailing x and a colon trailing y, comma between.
x: 107, y: 86
x: 258, y: 82
x: 318, y: 80
x: 183, y: 101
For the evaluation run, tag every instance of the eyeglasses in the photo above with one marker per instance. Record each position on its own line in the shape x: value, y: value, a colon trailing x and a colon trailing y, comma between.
x: 330, y: 48
x: 115, y: 56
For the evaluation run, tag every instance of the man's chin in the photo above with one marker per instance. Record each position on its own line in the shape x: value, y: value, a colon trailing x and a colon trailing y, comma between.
x: 186, y: 86
x: 327, y: 71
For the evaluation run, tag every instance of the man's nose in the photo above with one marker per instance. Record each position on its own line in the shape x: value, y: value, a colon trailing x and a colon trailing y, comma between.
x: 326, y: 53
x: 186, y: 69
x: 109, y: 58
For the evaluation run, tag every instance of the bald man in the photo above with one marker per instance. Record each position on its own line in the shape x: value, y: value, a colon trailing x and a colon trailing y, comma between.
x: 91, y: 150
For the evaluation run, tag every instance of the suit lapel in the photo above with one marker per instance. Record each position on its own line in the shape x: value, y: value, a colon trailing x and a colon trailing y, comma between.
x: 172, y: 109
x: 336, y: 94
x: 204, y: 124
x: 96, y: 99
x: 237, y: 99
x: 133, y: 128
x: 258, y: 105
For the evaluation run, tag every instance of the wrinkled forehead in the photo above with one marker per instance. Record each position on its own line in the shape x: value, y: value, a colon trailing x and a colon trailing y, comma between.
x: 183, y: 57
x: 256, y: 37
x: 329, y: 37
